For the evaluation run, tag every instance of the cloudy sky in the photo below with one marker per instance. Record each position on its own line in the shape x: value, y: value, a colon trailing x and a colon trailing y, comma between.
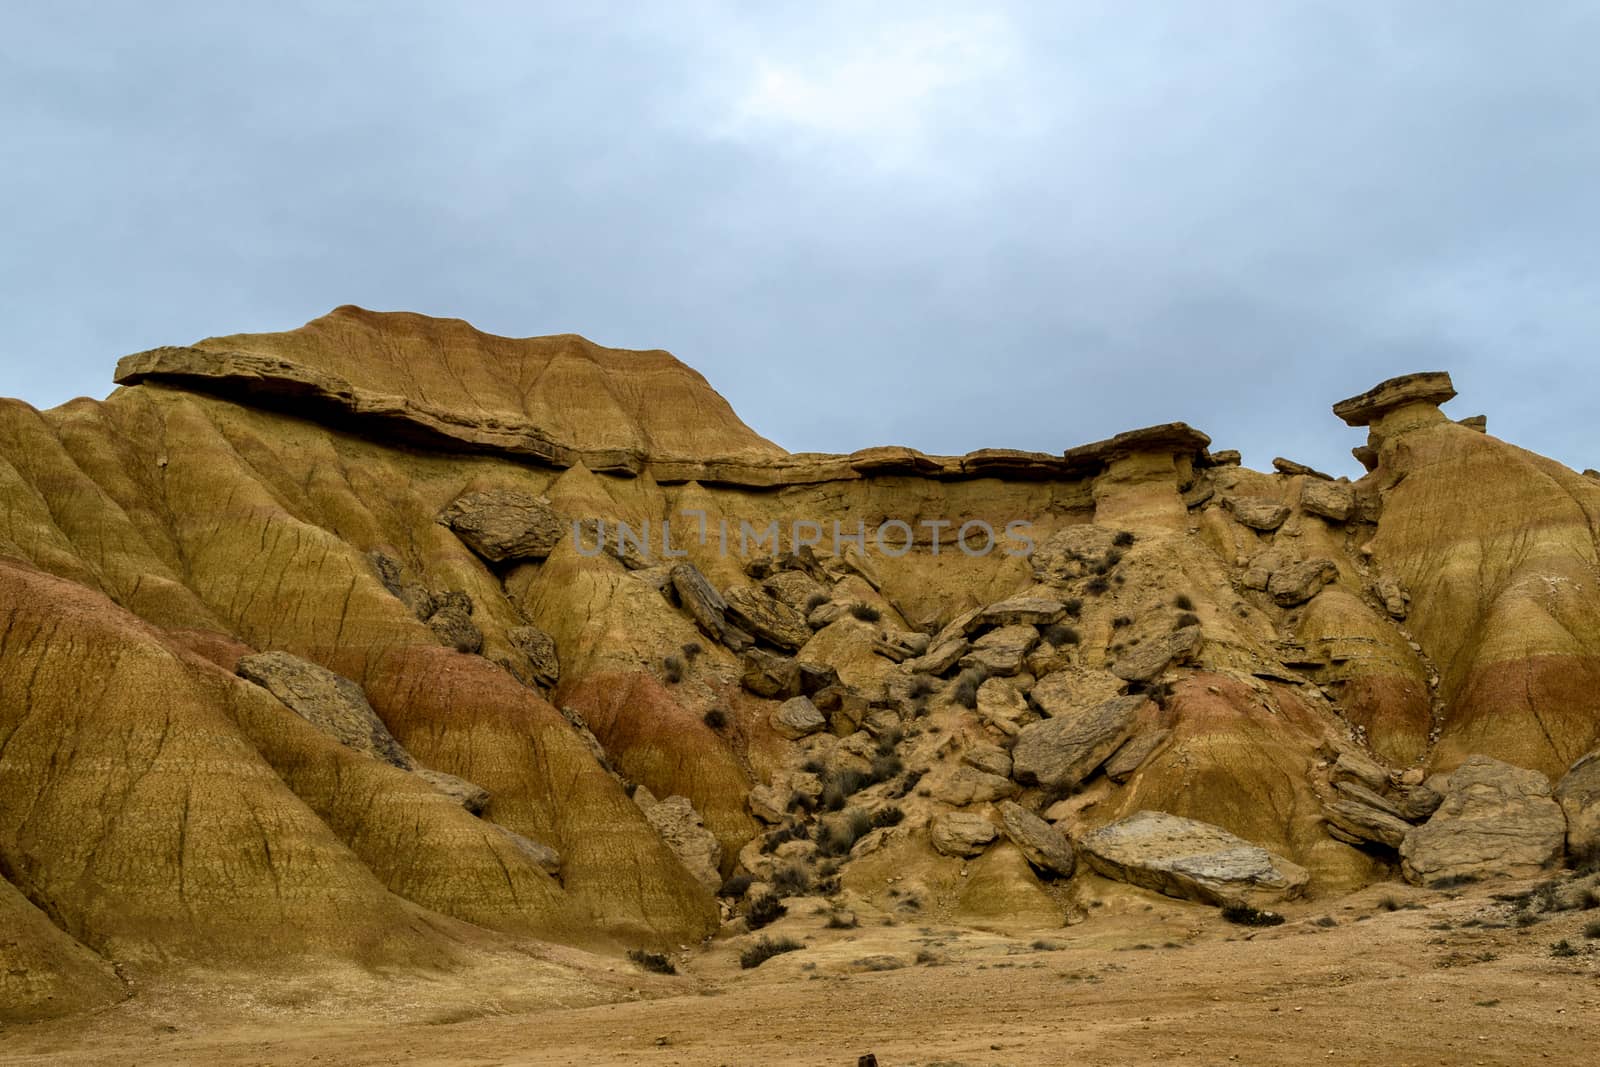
x: 944, y: 225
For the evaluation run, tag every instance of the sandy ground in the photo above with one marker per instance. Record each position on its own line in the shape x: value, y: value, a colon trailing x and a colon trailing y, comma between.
x: 1439, y: 979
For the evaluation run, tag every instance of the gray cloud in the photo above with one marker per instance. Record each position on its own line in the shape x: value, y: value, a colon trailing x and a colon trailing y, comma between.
x: 949, y: 226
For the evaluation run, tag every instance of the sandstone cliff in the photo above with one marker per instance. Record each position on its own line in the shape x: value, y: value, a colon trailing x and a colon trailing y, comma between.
x: 391, y: 498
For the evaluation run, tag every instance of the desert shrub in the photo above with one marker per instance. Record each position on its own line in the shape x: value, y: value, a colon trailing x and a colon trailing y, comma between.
x: 1120, y: 622
x: 691, y: 649
x: 814, y: 766
x: 1563, y: 948
x: 1188, y: 618
x: 1102, y: 567
x: 783, y: 835
x: 889, y: 816
x: 1182, y: 602
x: 716, y: 718
x: 815, y: 601
x: 672, y: 669
x: 1245, y: 915
x: 841, y: 786
x: 842, y: 920
x: 791, y: 880
x: 908, y: 783
x: 836, y: 837
x: 1097, y: 586
x: 887, y: 766
x: 1325, y: 921
x: 1592, y: 930
x: 865, y: 612
x: 766, y: 908
x: 1074, y: 608
x: 765, y: 949
x: 654, y: 962
x: 1061, y: 635
x: 890, y: 740
x: 927, y: 957
x: 967, y: 684
x: 1124, y: 538
x: 735, y: 887
x: 1588, y: 900
x: 1454, y: 881
x: 921, y: 686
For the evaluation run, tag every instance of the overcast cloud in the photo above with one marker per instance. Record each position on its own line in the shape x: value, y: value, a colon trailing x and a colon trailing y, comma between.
x: 950, y: 226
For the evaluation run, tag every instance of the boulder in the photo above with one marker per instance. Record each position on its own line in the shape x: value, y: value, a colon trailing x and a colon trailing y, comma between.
x: 1354, y: 767
x: 1045, y: 847
x: 991, y: 759
x: 1071, y: 552
x: 1134, y: 751
x: 939, y: 657
x: 1578, y: 793
x: 959, y: 833
x: 472, y: 797
x: 544, y: 857
x: 504, y: 524
x: 1262, y: 566
x: 451, y: 622
x: 1419, y: 801
x: 1062, y: 751
x: 1023, y: 611
x: 797, y: 589
x: 1146, y: 661
x: 706, y: 606
x: 680, y: 826
x: 1292, y: 468
x: 767, y: 617
x: 1191, y: 860
x: 968, y: 785
x: 1428, y: 387
x: 1393, y: 596
x: 1496, y: 821
x: 1330, y: 500
x: 1002, y: 706
x: 798, y: 717
x: 769, y: 803
x: 540, y: 648
x: 331, y: 702
x: 1256, y: 512
x: 1365, y: 823
x: 396, y: 578
x: 1299, y: 582
x: 767, y: 674
x: 1360, y: 794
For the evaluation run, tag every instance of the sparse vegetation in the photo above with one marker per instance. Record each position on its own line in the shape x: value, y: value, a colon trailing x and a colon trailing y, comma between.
x: 791, y: 880
x: 836, y: 837
x: 765, y: 949
x: 842, y: 920
x: 841, y: 785
x: 1061, y: 635
x: 1325, y: 921
x: 1188, y: 618
x: 692, y: 649
x: 1182, y: 602
x: 865, y: 612
x: 783, y: 835
x: 1563, y: 948
x: 716, y: 718
x: 1592, y: 930
x: 1074, y: 608
x: 1097, y: 587
x: 1455, y: 880
x: 889, y: 816
x: 653, y: 962
x: 886, y: 766
x: 1124, y: 538
x: 672, y: 669
x: 1245, y: 915
x: 765, y: 909
x: 967, y: 684
x: 907, y: 784
x: 735, y: 887
x: 815, y: 601
x: 921, y: 686
x: 1121, y: 621
x: 926, y: 957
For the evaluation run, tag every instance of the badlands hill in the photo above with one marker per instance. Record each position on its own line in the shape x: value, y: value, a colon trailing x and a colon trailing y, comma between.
x: 324, y: 646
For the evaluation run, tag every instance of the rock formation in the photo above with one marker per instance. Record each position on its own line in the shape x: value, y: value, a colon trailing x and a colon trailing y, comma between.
x: 371, y: 640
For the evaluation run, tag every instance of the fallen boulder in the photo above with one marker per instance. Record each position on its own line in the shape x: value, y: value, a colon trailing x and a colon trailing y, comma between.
x: 1062, y: 751
x: 959, y: 833
x: 1044, y: 846
x: 1496, y: 821
x: 1191, y: 860
x: 504, y: 524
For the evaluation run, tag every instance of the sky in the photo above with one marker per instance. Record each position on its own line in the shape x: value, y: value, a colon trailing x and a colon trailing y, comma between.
x: 948, y: 226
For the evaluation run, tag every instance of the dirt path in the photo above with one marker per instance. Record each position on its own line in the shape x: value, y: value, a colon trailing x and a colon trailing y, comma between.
x: 1452, y: 982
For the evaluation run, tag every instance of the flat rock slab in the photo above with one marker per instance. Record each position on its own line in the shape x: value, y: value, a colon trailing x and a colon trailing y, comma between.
x: 1145, y: 662
x: 1299, y: 582
x: 1579, y: 796
x: 798, y: 717
x: 1429, y: 387
x: 331, y: 702
x: 504, y: 524
x: 1496, y: 821
x: 1060, y: 752
x: 1257, y: 513
x: 767, y: 617
x: 1191, y: 860
x: 707, y: 607
x: 1023, y: 611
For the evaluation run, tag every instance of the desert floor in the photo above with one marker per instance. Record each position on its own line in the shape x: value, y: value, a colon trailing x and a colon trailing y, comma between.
x: 1391, y: 975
